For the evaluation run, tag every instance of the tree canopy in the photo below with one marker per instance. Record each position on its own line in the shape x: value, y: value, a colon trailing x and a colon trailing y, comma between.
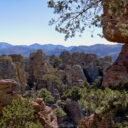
x: 76, y: 15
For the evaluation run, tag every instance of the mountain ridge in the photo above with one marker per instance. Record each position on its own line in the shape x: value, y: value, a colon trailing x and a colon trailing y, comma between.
x: 101, y: 50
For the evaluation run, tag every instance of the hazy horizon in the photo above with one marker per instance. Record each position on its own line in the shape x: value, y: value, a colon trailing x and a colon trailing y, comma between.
x: 26, y: 22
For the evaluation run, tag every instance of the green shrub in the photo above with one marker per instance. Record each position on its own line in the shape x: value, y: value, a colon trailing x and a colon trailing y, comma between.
x: 19, y: 114
x: 56, y: 61
x: 53, y: 79
x: 97, y: 82
x: 46, y: 95
x: 73, y: 93
x: 59, y: 112
x: 5, y: 99
x: 107, y: 103
x: 103, y: 101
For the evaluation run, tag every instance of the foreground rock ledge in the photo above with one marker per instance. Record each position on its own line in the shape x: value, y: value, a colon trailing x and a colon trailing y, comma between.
x: 43, y: 113
x: 95, y: 121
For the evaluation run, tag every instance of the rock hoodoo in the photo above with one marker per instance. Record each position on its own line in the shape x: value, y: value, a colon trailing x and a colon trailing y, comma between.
x: 117, y: 74
x: 115, y: 29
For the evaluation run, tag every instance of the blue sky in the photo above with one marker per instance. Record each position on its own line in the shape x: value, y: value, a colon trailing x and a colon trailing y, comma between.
x: 26, y: 22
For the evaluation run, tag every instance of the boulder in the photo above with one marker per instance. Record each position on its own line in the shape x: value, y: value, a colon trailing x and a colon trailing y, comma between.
x: 117, y: 74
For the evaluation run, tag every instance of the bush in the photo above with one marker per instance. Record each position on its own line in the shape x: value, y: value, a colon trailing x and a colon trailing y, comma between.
x: 55, y: 80
x: 103, y: 101
x: 19, y: 114
x: 56, y: 61
x: 106, y: 103
x: 73, y: 93
x: 59, y: 112
x: 46, y: 95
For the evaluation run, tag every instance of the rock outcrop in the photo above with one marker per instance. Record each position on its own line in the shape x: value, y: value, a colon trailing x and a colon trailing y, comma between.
x: 74, y: 75
x: 92, y: 71
x: 7, y: 68
x: 13, y: 67
x: 7, y: 87
x: 117, y: 74
x: 114, y: 20
x: 74, y: 112
x: 37, y: 66
x: 95, y: 121
x: 90, y: 66
x: 19, y: 63
x: 42, y: 113
x: 115, y: 29
x: 65, y: 56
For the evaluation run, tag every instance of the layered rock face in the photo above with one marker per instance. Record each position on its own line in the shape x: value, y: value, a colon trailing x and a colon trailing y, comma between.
x: 115, y: 20
x: 117, y: 74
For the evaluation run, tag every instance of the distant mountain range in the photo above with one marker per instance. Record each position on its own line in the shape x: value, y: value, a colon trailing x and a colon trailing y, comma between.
x: 49, y: 49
